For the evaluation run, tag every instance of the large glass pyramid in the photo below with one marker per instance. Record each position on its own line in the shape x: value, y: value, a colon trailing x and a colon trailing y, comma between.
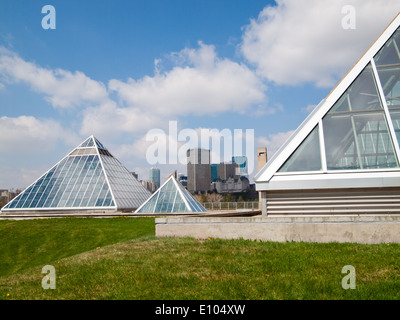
x: 89, y: 177
x: 354, y: 133
x: 171, y: 197
x: 361, y: 130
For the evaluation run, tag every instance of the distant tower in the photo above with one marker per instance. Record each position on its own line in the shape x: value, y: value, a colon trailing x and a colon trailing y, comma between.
x: 154, y: 176
x: 198, y: 170
x: 261, y: 157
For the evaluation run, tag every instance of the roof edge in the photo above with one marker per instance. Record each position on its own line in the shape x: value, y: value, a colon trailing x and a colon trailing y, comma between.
x: 290, y: 145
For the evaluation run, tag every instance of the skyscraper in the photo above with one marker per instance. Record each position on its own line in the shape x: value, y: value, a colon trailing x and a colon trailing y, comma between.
x: 198, y: 170
x: 241, y: 161
x: 154, y: 176
x: 214, y: 172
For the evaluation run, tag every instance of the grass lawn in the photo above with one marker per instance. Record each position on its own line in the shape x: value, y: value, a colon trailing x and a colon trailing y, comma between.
x: 121, y: 259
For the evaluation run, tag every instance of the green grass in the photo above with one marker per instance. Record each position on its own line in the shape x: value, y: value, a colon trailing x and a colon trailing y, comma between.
x: 132, y: 264
x: 29, y: 243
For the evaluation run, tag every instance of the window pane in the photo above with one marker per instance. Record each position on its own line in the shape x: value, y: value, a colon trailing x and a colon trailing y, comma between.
x: 307, y: 156
x: 358, y: 141
x: 355, y: 129
x: 389, y: 54
x: 361, y: 95
x: 388, y: 66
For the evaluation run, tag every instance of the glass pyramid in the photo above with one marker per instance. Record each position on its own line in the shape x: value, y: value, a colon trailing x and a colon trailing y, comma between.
x: 356, y: 129
x: 171, y: 197
x: 306, y: 157
x: 89, y: 177
x: 387, y: 62
x: 361, y: 130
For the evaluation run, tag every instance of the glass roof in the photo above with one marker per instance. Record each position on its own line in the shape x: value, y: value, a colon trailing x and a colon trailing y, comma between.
x: 171, y: 197
x: 362, y: 129
x: 306, y: 157
x: 356, y: 130
x: 83, y: 179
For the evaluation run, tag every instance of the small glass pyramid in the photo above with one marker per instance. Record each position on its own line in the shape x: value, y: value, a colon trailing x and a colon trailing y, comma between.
x: 171, y: 197
x: 89, y: 177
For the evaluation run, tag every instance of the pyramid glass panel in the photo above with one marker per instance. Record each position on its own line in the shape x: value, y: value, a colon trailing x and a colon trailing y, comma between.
x: 99, y: 145
x: 307, y: 156
x: 123, y: 184
x: 389, y: 54
x: 387, y: 62
x: 356, y: 132
x: 171, y: 197
x: 85, y: 179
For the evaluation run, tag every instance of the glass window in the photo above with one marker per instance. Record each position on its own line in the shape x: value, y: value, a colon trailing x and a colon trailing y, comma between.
x: 307, y: 157
x: 387, y: 61
x: 355, y: 129
x: 86, y: 143
x: 389, y: 54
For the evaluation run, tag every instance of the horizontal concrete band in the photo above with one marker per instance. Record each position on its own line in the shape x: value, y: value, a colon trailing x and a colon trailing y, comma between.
x: 360, y: 229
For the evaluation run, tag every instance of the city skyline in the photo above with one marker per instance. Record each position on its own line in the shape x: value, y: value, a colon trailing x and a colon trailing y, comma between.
x: 204, y: 65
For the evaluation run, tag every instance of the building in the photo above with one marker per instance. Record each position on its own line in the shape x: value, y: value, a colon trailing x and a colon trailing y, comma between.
x: 214, y: 172
x: 149, y: 185
x: 6, y: 195
x: 261, y: 157
x: 241, y: 161
x: 154, y: 176
x: 345, y: 157
x: 87, y: 178
x: 171, y: 197
x: 135, y: 175
x: 231, y: 185
x: 182, y: 179
x: 227, y: 170
x: 198, y: 170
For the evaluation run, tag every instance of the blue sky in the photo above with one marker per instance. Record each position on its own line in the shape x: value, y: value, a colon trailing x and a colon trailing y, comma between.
x: 118, y: 69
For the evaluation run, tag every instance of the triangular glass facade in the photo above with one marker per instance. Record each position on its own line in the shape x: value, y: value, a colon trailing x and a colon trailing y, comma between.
x: 307, y: 156
x: 356, y: 130
x: 169, y: 198
x: 361, y: 130
x: 387, y: 63
x: 87, y: 178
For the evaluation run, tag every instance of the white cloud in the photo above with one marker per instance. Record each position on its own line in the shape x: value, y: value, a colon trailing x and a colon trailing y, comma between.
x: 109, y: 119
x: 27, y: 134
x: 273, y: 142
x: 199, y: 83
x: 295, y: 42
x: 62, y: 88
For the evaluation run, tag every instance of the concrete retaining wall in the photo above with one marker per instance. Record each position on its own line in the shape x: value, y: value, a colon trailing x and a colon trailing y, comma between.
x: 361, y: 229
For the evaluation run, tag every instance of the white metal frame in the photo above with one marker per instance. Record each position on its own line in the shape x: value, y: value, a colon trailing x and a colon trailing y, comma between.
x: 269, y: 171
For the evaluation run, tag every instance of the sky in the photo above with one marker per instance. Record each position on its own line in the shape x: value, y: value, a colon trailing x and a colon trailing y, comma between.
x: 148, y: 78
